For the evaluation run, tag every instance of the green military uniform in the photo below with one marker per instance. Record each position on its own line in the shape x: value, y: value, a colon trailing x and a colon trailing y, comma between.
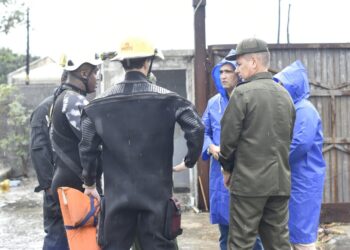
x: 255, y: 137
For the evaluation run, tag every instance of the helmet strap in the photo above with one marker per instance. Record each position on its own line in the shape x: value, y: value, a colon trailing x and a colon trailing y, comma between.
x: 150, y: 66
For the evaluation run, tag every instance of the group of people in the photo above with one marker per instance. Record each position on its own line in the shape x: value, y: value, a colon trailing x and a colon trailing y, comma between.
x: 262, y: 135
x: 264, y: 140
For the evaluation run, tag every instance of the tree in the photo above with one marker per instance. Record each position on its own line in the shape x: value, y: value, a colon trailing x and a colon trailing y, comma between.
x: 11, y: 14
x: 10, y: 61
x: 14, y: 124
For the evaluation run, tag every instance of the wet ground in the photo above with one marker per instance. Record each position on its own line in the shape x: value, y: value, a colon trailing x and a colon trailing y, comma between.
x: 21, y: 222
x: 21, y: 218
x: 21, y: 225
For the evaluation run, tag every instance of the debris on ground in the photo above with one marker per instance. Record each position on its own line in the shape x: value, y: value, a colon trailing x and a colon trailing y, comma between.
x: 329, y: 231
x: 334, y: 236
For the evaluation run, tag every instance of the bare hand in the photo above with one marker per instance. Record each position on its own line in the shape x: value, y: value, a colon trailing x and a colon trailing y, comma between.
x: 227, y: 179
x: 180, y: 167
x: 92, y: 192
x: 214, y: 150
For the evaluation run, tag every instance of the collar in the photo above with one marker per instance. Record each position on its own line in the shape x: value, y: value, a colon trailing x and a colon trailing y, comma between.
x: 257, y: 76
x: 74, y: 88
x: 135, y: 76
x: 261, y: 75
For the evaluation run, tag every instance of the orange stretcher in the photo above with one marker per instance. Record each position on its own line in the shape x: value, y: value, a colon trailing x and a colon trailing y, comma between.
x: 79, y: 213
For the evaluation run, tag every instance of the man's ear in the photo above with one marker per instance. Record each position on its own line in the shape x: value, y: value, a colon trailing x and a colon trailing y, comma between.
x: 254, y: 62
x: 146, y: 64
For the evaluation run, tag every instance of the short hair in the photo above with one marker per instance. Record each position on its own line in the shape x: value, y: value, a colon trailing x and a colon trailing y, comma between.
x: 134, y: 63
x: 263, y: 57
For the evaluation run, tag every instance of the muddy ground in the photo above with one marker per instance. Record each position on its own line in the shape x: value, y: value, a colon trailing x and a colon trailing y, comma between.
x: 21, y: 222
x: 21, y: 225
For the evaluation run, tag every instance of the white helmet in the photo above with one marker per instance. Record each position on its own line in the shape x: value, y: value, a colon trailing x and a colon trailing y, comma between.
x: 74, y: 62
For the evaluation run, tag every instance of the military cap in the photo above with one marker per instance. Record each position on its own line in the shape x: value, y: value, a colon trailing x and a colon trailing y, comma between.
x: 247, y: 46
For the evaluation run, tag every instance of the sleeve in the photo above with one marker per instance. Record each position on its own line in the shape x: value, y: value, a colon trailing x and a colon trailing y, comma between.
x: 231, y: 128
x: 192, y: 125
x: 89, y: 150
x: 72, y: 108
x: 305, y: 129
x: 40, y: 150
x: 208, y: 133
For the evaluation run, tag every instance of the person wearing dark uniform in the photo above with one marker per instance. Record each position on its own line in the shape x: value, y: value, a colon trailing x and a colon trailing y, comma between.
x: 134, y: 121
x: 225, y: 80
x: 43, y: 162
x: 65, y: 132
x: 256, y: 132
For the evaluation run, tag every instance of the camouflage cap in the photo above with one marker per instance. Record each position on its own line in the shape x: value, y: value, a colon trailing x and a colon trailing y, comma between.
x: 247, y: 46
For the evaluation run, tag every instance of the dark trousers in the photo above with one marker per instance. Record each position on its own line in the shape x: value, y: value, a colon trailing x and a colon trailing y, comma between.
x: 223, y: 236
x: 224, y: 229
x: 55, y: 238
x: 266, y: 216
x: 147, y: 226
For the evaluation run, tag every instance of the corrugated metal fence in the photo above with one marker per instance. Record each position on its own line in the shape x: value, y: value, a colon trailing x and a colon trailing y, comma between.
x: 328, y: 67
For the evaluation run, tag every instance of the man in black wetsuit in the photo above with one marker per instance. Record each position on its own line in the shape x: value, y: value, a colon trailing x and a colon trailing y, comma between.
x: 69, y: 99
x: 135, y: 121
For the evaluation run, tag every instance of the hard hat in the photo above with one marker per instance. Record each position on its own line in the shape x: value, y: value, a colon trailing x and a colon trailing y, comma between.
x: 136, y: 48
x: 74, y: 62
x: 63, y: 60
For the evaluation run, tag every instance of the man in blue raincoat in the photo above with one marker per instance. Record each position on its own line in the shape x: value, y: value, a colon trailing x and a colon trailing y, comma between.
x: 306, y: 161
x: 225, y: 80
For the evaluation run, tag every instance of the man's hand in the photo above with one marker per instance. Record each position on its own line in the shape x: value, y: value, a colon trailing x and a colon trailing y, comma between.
x: 214, y: 150
x: 180, y: 167
x: 227, y: 178
x: 92, y: 192
x: 48, y: 191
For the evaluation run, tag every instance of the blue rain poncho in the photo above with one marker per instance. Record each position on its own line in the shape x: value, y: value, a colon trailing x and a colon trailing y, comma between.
x: 218, y: 195
x: 306, y: 161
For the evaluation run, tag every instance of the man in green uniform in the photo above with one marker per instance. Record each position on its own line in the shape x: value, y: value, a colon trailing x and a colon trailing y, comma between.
x: 256, y: 134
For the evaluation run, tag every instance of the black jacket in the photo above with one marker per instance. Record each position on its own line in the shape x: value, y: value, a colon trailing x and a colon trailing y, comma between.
x: 40, y: 146
x: 135, y: 121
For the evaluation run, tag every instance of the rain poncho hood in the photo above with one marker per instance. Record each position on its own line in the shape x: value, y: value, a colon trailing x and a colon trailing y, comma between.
x: 306, y: 160
x: 218, y: 194
x: 294, y: 79
x: 216, y: 74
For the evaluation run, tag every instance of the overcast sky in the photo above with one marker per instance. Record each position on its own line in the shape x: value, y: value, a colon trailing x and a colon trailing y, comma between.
x: 64, y: 26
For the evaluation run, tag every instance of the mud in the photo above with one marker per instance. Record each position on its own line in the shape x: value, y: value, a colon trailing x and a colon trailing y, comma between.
x: 21, y: 218
x: 21, y: 226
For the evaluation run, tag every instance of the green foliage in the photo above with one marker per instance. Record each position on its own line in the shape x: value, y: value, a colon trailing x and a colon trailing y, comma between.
x: 9, y: 62
x: 15, y: 121
x: 11, y: 14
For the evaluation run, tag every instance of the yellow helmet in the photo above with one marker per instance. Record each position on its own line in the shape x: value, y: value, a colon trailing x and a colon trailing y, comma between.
x: 136, y: 48
x: 63, y: 60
